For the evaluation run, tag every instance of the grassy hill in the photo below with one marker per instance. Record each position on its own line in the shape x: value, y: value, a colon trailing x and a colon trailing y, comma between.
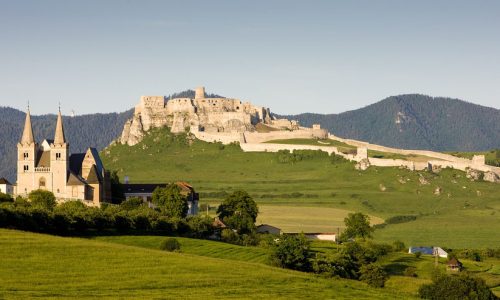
x: 416, y: 122
x: 46, y: 267
x: 394, y: 263
x: 464, y: 215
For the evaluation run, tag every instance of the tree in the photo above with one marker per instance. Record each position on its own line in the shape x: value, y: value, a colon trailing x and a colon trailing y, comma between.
x: 239, y: 211
x: 5, y: 198
x: 456, y: 287
x: 357, y: 225
x: 170, y: 201
x: 374, y: 275
x: 132, y: 203
x: 42, y: 198
x: 116, y: 186
x: 291, y: 252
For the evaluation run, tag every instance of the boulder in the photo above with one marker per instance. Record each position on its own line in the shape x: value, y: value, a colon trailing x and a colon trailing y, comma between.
x: 491, y: 177
x: 362, y: 165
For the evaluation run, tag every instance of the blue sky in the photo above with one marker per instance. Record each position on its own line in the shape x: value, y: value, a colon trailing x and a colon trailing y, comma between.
x: 293, y: 56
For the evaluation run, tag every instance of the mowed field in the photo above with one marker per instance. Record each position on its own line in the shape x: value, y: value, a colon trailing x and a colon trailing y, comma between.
x: 465, y: 214
x: 305, y: 219
x: 46, y: 267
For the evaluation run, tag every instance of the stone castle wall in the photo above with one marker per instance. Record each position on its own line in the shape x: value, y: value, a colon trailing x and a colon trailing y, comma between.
x: 207, y: 114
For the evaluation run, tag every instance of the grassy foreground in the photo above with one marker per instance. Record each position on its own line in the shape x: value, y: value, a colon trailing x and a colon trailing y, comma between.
x: 463, y: 214
x: 43, y: 266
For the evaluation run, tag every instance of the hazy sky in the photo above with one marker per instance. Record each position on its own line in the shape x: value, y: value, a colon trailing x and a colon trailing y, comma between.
x: 293, y: 56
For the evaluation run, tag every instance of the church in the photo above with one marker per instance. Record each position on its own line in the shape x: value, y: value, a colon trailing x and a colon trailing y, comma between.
x: 50, y: 166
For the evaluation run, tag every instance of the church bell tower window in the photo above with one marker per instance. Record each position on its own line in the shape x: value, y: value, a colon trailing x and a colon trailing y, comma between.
x: 58, y: 156
x: 25, y: 155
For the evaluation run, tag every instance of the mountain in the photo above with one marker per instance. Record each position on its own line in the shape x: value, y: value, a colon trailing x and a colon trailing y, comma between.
x: 93, y: 130
x: 416, y: 122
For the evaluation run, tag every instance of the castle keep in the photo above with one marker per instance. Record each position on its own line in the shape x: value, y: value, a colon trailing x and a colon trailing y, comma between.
x: 211, y: 115
x: 50, y: 166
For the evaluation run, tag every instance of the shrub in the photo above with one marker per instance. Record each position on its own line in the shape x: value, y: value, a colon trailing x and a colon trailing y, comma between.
x: 170, y: 245
x: 339, y: 264
x: 229, y: 236
x: 5, y: 198
x: 400, y: 219
x: 132, y: 203
x: 291, y: 252
x: 373, y: 275
x: 456, y: 287
x: 398, y: 246
x: 418, y: 254
x: 200, y: 226
x: 410, y: 272
x: 42, y: 198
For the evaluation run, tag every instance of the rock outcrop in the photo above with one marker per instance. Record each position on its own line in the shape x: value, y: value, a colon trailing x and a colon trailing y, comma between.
x: 212, y: 115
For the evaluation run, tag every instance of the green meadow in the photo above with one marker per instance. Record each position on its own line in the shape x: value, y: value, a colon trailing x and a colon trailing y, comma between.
x: 46, y: 267
x: 464, y: 214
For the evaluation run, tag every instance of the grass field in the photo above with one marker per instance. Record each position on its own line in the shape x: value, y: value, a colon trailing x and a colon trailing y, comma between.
x: 465, y: 214
x: 393, y: 263
x: 306, y: 219
x: 46, y: 267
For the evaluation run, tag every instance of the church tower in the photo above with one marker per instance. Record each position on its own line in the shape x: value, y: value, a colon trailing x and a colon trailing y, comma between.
x: 59, y: 159
x: 26, y: 158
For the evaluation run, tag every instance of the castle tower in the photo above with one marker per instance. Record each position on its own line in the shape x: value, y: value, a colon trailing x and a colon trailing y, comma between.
x: 199, y: 93
x: 59, y: 159
x: 26, y: 158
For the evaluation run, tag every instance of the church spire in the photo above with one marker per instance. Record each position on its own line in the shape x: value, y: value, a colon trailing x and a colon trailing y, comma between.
x: 27, y: 137
x: 59, y: 137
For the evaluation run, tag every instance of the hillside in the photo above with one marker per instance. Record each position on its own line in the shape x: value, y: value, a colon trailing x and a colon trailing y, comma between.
x: 416, y: 122
x: 47, y: 267
x: 95, y: 130
x: 463, y: 208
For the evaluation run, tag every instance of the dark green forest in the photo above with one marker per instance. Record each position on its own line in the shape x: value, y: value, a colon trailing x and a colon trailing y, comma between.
x: 416, y: 122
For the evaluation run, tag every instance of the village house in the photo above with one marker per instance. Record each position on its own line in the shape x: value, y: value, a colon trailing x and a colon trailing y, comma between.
x: 6, y: 187
x: 145, y: 192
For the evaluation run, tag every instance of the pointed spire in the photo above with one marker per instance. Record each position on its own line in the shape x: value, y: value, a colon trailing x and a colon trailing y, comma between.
x: 59, y: 137
x: 27, y: 137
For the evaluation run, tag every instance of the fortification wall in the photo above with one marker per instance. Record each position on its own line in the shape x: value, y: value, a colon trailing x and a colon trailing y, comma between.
x: 256, y: 147
x: 399, y: 151
x: 223, y: 137
x: 258, y: 137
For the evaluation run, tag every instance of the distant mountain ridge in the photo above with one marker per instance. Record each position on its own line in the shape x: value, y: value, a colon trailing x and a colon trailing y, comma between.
x: 406, y: 121
x: 416, y: 122
x: 92, y: 130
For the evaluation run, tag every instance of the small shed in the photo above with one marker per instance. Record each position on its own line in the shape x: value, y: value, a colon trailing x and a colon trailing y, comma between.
x: 265, y: 228
x: 454, y: 265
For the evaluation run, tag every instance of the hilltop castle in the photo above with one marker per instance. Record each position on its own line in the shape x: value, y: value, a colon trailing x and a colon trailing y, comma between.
x: 219, y: 119
x: 50, y: 166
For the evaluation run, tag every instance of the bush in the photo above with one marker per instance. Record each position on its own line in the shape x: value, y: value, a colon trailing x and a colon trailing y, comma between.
x: 5, y: 198
x: 170, y: 245
x: 374, y: 275
x: 456, y: 287
x: 400, y: 219
x: 200, y: 226
x: 418, y: 254
x: 229, y: 236
x: 339, y: 264
x: 398, y: 246
x: 291, y: 252
x: 410, y: 272
x: 132, y: 203
x: 43, y: 199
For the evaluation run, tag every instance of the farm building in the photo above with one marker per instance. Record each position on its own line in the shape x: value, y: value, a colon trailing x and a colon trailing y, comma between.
x: 429, y: 251
x: 265, y: 228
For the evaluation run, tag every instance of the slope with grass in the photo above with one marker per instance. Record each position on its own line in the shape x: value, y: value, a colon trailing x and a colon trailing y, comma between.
x: 465, y: 214
x: 47, y: 267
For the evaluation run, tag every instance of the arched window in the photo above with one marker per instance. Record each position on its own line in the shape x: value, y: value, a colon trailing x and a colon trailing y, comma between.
x: 41, y: 183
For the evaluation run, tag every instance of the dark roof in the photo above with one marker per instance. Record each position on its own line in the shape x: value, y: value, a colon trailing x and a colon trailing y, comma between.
x: 454, y: 262
x: 97, y: 159
x: 75, y: 162
x: 74, y: 179
x: 43, y: 159
x: 140, y: 188
x: 94, y: 177
x: 4, y: 181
